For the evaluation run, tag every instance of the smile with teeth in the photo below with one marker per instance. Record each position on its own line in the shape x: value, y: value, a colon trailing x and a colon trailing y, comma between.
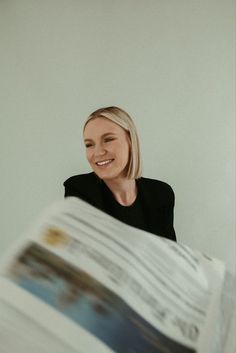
x: 107, y: 161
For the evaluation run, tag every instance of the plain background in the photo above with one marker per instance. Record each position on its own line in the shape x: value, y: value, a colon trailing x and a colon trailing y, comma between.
x: 169, y: 63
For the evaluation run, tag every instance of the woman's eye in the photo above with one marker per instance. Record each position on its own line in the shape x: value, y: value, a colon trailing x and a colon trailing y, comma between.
x: 87, y: 145
x: 108, y: 139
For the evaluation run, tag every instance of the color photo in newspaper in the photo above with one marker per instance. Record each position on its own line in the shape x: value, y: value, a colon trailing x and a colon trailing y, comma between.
x: 87, y: 302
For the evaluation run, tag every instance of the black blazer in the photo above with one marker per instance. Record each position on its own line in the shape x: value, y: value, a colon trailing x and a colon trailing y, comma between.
x: 157, y: 198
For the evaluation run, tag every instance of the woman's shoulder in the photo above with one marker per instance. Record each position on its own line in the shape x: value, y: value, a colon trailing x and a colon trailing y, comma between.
x: 154, y: 187
x: 154, y: 183
x: 81, y: 179
x: 82, y: 185
x: 85, y: 186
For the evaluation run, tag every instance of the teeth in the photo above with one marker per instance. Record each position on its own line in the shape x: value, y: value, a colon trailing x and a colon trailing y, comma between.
x: 104, y: 162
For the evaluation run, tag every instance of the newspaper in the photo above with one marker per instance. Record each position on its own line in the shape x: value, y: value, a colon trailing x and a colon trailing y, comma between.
x: 79, y: 280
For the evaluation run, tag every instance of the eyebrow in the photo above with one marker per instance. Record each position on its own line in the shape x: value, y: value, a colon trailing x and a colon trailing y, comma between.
x: 103, y: 135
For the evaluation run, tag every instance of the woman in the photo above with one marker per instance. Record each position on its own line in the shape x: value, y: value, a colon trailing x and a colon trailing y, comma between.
x: 115, y: 186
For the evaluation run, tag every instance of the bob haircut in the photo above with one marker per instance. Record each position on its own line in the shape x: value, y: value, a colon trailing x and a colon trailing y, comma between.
x: 121, y: 118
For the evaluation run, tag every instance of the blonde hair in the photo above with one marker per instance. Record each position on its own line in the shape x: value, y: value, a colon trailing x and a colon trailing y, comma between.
x: 121, y: 118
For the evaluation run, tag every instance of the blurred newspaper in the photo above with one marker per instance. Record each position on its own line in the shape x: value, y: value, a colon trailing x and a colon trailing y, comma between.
x: 81, y: 281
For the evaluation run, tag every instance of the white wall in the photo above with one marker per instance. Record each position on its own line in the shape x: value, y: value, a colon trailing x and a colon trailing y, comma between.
x: 169, y: 63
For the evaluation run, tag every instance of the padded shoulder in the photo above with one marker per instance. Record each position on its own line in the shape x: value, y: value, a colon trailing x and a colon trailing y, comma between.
x: 158, y: 190
x: 84, y: 186
x: 80, y: 180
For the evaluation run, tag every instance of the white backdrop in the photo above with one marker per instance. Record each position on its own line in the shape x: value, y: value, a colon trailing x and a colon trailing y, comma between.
x: 169, y: 63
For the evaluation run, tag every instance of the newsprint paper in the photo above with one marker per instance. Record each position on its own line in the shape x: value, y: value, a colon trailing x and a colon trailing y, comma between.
x: 80, y: 281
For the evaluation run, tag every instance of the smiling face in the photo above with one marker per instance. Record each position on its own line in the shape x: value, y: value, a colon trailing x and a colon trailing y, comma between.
x: 107, y: 148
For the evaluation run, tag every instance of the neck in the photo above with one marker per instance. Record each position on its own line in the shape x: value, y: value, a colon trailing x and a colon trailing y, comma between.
x: 123, y: 189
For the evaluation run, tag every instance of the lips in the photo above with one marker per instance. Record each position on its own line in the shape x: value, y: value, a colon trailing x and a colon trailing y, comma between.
x: 105, y: 162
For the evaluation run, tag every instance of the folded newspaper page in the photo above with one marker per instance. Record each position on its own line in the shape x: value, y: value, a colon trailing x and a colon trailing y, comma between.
x: 81, y: 281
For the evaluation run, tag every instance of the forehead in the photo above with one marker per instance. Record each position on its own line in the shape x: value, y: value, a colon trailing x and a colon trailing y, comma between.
x: 101, y: 126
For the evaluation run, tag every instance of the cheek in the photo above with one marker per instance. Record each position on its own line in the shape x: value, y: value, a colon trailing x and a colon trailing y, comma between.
x: 88, y: 155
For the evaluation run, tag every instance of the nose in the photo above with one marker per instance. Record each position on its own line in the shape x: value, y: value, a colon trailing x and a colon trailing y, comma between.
x: 99, y: 150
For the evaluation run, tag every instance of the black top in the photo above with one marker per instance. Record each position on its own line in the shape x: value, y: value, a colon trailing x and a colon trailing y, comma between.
x: 152, y: 210
x: 132, y: 215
